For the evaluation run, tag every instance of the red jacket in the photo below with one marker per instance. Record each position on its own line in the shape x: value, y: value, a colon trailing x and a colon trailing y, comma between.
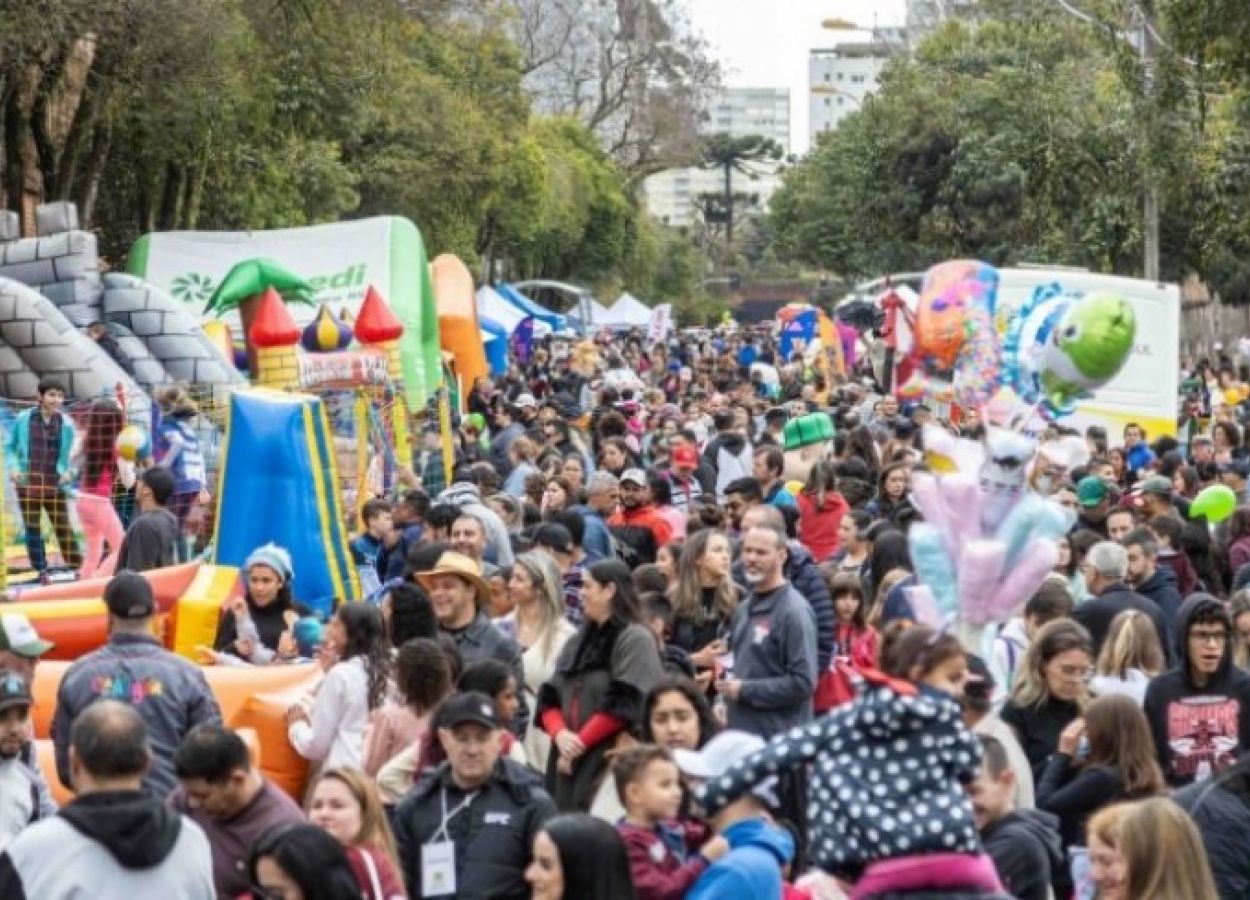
x: 658, y: 873
x: 644, y: 517
x: 376, y: 876
x: 819, y: 523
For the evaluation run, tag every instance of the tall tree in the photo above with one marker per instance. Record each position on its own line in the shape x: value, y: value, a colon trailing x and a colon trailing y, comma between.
x: 749, y: 156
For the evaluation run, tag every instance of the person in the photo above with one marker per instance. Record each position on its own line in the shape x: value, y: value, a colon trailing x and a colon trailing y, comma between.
x: 768, y: 466
x: 487, y: 807
x: 666, y: 855
x: 1169, y: 533
x: 37, y: 452
x: 704, y: 598
x: 1130, y: 658
x: 598, y: 686
x: 468, y: 538
x: 577, y: 857
x: 1093, y: 497
x: 741, y: 495
x: 1050, y: 690
x: 99, y: 466
x: 1120, y: 521
x: 855, y: 644
x: 1105, y: 569
x: 151, y: 541
x: 24, y: 794
x: 422, y: 682
x: 222, y: 792
x: 494, y: 679
x: 773, y: 642
x: 1154, y: 582
x: 169, y: 692
x: 979, y: 716
x: 408, y: 528
x: 676, y: 715
x: 1023, y: 843
x: 302, y: 862
x: 20, y: 645
x: 1050, y: 601
x: 466, y: 496
x: 603, y: 495
x: 1220, y: 808
x: 638, y: 514
x: 344, y: 803
x: 1149, y: 850
x: 178, y: 450
x: 357, y: 658
x: 1117, y: 763
x: 854, y: 549
x: 460, y: 596
x: 821, y: 511
x: 892, y: 487
x: 683, y: 465
x: 377, y: 524
x: 255, y: 628
x: 1199, y: 711
x: 114, y: 839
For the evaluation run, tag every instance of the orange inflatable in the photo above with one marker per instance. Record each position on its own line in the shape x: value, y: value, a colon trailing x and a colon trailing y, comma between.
x: 458, y: 331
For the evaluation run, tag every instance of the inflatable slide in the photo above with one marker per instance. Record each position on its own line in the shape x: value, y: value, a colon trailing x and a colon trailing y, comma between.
x: 458, y: 329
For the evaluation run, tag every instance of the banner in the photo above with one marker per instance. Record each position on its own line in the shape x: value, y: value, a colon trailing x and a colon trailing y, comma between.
x: 661, y: 323
x: 801, y: 327
x: 521, y: 341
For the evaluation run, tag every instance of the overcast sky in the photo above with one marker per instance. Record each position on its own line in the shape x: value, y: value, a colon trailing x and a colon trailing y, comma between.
x: 764, y: 43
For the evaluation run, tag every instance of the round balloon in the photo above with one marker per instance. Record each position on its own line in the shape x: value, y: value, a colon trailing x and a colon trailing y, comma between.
x: 132, y: 443
x: 1216, y: 503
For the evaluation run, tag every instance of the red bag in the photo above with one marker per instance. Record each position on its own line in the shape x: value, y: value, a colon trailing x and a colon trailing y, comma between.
x: 837, y: 685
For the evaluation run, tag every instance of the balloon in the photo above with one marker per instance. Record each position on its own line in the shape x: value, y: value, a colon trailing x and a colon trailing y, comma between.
x: 976, y: 370
x: 1002, y: 475
x: 1232, y: 396
x: 1216, y: 502
x: 132, y: 443
x: 953, y: 334
x: 326, y: 333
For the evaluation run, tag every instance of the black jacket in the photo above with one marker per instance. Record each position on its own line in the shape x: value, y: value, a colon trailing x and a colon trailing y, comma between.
x: 1097, y: 613
x: 1038, y: 728
x: 1198, y: 730
x: 1026, y: 850
x: 1074, y: 794
x: 1220, y: 807
x: 493, y: 836
x: 1160, y: 588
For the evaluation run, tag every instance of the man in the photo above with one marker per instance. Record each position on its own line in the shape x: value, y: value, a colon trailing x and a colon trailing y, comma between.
x: 527, y: 410
x: 1023, y: 843
x: 1235, y: 474
x: 1199, y: 712
x: 38, y: 451
x: 427, y: 462
x: 1156, y: 498
x: 1220, y: 807
x: 487, y: 807
x: 773, y: 642
x: 224, y: 794
x: 465, y: 495
x: 20, y: 645
x: 151, y: 541
x: 603, y: 493
x: 459, y: 596
x: 508, y: 428
x: 24, y: 794
x: 729, y: 453
x: 468, y: 537
x: 768, y: 466
x: 406, y: 531
x: 99, y: 332
x: 885, y: 419
x: 684, y: 462
x: 1137, y: 453
x: 1120, y: 522
x: 1201, y: 450
x: 741, y: 497
x: 637, y: 523
x: 774, y: 432
x: 170, y: 693
x: 555, y: 540
x: 1154, y: 582
x: 1105, y: 569
x: 1093, y: 498
x: 114, y: 839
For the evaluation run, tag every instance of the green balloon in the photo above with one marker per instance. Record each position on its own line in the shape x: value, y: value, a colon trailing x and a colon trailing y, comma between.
x: 1216, y: 503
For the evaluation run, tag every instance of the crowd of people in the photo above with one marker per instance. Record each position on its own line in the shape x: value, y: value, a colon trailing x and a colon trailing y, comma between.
x: 637, y: 646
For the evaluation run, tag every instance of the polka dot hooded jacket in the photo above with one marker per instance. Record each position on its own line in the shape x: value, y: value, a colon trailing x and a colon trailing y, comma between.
x: 886, y: 778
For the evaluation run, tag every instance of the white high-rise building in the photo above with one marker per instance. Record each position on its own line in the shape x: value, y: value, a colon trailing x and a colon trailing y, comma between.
x: 673, y: 196
x: 839, y: 78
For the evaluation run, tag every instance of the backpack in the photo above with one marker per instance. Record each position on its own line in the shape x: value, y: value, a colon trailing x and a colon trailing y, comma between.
x: 633, y: 545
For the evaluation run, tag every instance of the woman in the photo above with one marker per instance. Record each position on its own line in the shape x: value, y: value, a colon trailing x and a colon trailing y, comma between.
x: 558, y: 495
x: 538, y: 625
x: 854, y: 548
x: 1149, y: 850
x: 1226, y: 438
x: 573, y: 470
x: 255, y: 628
x: 891, y: 491
x: 344, y: 804
x: 1130, y: 657
x: 422, y: 682
x: 577, y: 857
x: 890, y: 574
x: 599, y: 682
x: 302, y: 862
x: 821, y: 511
x: 705, y: 598
x: 1049, y: 692
x: 1120, y: 474
x: 522, y: 454
x: 1238, y: 539
x: 1185, y: 482
x: 668, y: 561
x: 615, y: 456
x: 178, y: 449
x: 99, y: 466
x: 357, y: 657
x: 1118, y: 763
x: 1239, y: 609
x: 676, y: 715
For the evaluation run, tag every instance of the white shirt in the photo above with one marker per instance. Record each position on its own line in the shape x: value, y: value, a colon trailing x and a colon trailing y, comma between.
x: 340, y: 711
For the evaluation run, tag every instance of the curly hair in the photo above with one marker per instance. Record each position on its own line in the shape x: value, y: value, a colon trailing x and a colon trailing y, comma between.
x: 366, y: 637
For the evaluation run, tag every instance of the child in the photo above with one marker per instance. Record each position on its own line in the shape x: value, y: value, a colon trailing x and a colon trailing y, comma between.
x: 375, y: 515
x: 24, y: 795
x: 662, y: 856
x: 1051, y: 601
x: 886, y: 797
x: 854, y: 644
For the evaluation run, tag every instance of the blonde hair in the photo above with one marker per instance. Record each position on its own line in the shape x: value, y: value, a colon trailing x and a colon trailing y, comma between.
x: 1052, y: 639
x: 1132, y: 643
x: 1164, y: 858
x: 549, y: 594
x: 375, y: 831
x: 888, y: 583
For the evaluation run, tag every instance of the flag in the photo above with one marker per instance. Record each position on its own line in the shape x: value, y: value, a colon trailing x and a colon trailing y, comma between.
x: 521, y: 342
x: 661, y: 323
x: 801, y: 327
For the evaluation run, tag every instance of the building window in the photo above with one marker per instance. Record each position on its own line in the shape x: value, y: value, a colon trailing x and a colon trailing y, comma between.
x: 857, y: 79
x: 841, y: 75
x: 827, y: 101
x: 826, y: 76
x: 839, y: 101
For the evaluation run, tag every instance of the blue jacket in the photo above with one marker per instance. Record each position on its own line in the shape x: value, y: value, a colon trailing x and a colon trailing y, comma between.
x: 17, y: 448
x: 596, y: 540
x: 751, y: 868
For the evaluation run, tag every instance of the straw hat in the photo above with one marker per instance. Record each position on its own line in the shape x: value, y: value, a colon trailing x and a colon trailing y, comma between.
x: 463, y: 568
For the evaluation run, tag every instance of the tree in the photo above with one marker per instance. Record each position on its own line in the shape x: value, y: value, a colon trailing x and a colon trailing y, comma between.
x: 749, y: 155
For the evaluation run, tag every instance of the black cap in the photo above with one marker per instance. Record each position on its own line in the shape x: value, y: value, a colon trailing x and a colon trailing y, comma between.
x: 470, y: 706
x: 14, y: 691
x: 129, y: 596
x: 554, y: 536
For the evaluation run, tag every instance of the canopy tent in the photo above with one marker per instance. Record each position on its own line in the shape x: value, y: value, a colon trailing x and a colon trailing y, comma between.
x: 495, y: 344
x: 628, y: 312
x: 528, y: 307
x: 599, y: 315
x: 492, y: 307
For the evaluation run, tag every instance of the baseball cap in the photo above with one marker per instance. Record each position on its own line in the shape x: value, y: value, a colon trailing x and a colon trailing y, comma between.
x: 684, y: 455
x: 634, y: 476
x: 553, y: 536
x: 470, y: 706
x: 129, y: 596
x: 1157, y: 484
x: 18, y: 636
x: 14, y: 691
x: 1091, y: 490
x: 718, y: 755
x: 525, y: 401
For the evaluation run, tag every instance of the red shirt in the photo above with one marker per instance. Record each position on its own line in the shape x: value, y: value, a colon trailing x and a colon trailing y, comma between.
x: 819, y: 523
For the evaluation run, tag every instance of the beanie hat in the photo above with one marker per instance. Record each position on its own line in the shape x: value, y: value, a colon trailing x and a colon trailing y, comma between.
x: 273, y: 557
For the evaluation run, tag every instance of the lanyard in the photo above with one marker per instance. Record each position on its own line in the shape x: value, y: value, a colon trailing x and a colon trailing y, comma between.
x: 441, y: 834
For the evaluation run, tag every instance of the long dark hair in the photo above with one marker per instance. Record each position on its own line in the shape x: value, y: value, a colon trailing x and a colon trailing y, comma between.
x: 592, y: 857
x: 625, y: 608
x: 679, y: 684
x: 311, y: 858
x: 889, y: 552
x: 104, y: 424
x: 366, y: 637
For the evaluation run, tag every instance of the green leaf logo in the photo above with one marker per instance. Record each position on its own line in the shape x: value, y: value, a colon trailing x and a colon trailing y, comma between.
x: 193, y: 287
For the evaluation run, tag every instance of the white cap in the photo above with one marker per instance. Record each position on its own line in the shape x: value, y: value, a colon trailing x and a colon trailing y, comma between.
x: 718, y: 755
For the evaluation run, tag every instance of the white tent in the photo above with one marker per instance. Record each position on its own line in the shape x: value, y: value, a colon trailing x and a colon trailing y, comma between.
x: 628, y: 312
x: 498, y: 310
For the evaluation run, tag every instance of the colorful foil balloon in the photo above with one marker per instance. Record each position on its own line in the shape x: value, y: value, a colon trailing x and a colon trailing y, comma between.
x: 1061, y: 347
x: 326, y: 333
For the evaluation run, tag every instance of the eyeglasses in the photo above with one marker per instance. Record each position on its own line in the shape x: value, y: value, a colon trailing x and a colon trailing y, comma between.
x: 1209, y: 637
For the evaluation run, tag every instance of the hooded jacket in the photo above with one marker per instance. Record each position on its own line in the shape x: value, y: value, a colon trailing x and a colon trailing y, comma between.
x: 751, y: 868
x: 1098, y: 613
x: 1220, y: 807
x: 1026, y: 849
x: 109, y: 844
x: 1161, y: 589
x: 1198, y: 730
x: 729, y: 456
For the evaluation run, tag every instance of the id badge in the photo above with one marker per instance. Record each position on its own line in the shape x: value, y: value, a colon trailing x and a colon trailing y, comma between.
x: 438, y: 869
